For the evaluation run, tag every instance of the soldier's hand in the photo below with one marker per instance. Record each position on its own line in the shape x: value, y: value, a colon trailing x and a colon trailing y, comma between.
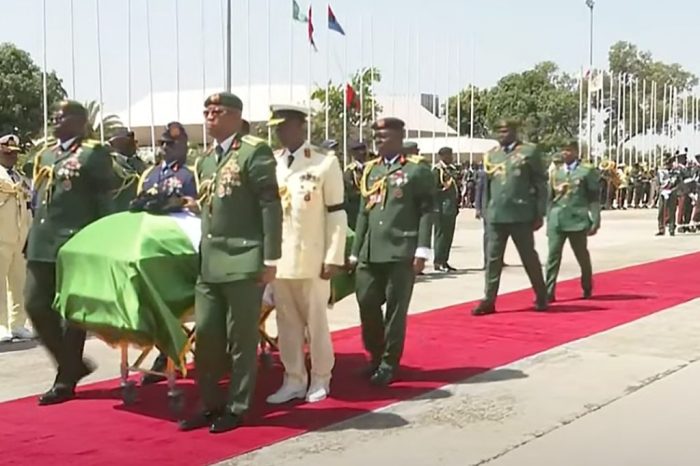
x: 190, y: 204
x: 328, y: 271
x: 477, y: 214
x: 592, y: 231
x: 418, y: 265
x: 268, y: 275
x: 538, y: 224
x: 351, y: 263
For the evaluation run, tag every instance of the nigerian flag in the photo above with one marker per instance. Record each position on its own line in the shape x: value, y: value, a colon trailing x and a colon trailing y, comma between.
x: 131, y: 277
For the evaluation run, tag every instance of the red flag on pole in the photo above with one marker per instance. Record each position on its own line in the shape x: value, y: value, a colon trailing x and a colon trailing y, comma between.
x: 311, y: 31
x: 351, y: 100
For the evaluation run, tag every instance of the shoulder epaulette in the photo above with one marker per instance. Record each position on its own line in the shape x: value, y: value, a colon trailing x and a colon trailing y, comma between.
x: 417, y: 159
x: 351, y: 166
x: 252, y: 140
x: 587, y: 165
x: 91, y: 143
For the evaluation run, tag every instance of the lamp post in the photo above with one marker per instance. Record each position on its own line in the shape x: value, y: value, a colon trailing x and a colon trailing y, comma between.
x: 228, y: 45
x: 590, y: 4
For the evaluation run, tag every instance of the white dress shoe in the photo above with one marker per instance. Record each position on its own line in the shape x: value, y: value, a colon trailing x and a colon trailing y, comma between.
x: 286, y: 393
x: 317, y: 393
x: 22, y: 333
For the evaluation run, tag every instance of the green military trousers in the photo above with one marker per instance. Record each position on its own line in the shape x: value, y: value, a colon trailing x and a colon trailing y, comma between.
x: 388, y: 283
x: 444, y: 234
x: 64, y: 341
x: 524, y: 239
x: 579, y: 244
x: 226, y: 316
x: 667, y: 212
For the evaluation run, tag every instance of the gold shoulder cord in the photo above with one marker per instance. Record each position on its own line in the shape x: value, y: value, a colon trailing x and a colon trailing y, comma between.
x: 41, y: 174
x: 446, y: 184
x: 378, y: 187
x: 492, y: 169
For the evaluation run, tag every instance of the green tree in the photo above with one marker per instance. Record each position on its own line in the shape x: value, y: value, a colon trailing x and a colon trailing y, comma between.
x: 109, y: 122
x: 363, y: 82
x: 543, y: 99
x: 21, y: 88
x: 626, y: 58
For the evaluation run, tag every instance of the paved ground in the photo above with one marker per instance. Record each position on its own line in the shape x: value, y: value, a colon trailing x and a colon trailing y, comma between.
x: 617, y: 398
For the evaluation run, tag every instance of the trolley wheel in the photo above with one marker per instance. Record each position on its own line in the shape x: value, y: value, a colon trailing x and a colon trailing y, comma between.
x: 176, y: 401
x: 267, y: 360
x: 129, y: 392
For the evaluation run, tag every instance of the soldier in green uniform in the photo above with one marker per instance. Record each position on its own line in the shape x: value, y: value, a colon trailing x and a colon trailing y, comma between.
x: 411, y: 148
x: 127, y: 167
x: 351, y: 178
x: 516, y: 201
x: 74, y: 183
x: 392, y: 243
x: 447, y: 206
x: 241, y: 213
x: 573, y: 214
x: 669, y: 179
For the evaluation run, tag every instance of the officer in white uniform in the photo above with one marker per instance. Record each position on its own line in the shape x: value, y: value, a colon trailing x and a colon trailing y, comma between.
x: 15, y: 218
x: 313, y: 249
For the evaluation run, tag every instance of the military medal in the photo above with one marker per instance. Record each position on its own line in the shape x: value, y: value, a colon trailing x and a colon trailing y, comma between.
x: 307, y: 197
x: 398, y: 193
x: 516, y: 172
x: 67, y: 185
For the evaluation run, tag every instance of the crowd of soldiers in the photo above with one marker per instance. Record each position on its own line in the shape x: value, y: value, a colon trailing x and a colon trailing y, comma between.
x: 281, y: 220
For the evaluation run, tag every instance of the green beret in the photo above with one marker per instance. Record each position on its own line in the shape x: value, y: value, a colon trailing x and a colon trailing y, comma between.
x: 225, y: 99
x: 73, y: 108
x: 388, y: 123
x: 510, y: 123
x: 445, y: 151
x: 570, y: 143
x: 410, y: 145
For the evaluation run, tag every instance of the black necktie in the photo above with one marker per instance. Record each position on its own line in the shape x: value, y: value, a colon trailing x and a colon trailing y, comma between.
x: 219, y: 153
x: 290, y: 160
x: 13, y: 175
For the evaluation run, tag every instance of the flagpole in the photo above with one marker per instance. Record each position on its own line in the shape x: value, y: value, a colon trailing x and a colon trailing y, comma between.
x: 623, y: 117
x: 663, y: 121
x: 459, y: 102
x: 589, y: 116
x: 328, y: 78
x: 44, y: 76
x: 222, y: 23
x: 471, y: 102
x: 291, y: 56
x: 447, y: 91
x: 128, y: 63
x: 618, y: 136
x: 362, y: 79
x: 345, y: 104
x: 229, y: 51
x: 249, y: 99
x: 308, y: 91
x: 434, y: 94
x: 72, y: 49
x: 418, y: 73
x: 393, y: 67
x: 202, y: 14
x: 99, y: 70
x: 177, y: 58
x: 636, y: 119
x: 644, y: 121
x: 150, y: 77
x: 580, y: 107
x: 610, y: 119
x: 269, y: 68
x: 374, y: 95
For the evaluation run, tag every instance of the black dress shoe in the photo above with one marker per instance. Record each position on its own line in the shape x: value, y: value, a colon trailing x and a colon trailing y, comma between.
x: 225, y: 423
x: 439, y: 268
x: 484, y: 308
x: 198, y: 421
x: 382, y: 377
x: 449, y: 268
x: 551, y: 299
x: 159, y: 365
x: 369, y: 369
x: 587, y: 294
x: 660, y: 233
x: 541, y: 306
x: 57, y: 394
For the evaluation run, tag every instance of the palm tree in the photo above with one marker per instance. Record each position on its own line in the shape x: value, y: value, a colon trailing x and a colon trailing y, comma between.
x: 109, y: 122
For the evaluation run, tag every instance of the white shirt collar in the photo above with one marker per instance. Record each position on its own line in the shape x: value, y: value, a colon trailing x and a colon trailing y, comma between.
x: 226, y: 143
x: 65, y: 145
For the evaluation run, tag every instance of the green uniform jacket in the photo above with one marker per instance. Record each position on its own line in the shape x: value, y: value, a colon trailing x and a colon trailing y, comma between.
x: 73, y: 188
x: 351, y: 179
x: 396, y: 217
x: 517, y: 185
x: 447, y: 194
x: 574, y: 203
x: 127, y: 179
x: 241, y: 211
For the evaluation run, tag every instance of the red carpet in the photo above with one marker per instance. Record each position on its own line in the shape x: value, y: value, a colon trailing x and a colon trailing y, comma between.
x: 443, y: 346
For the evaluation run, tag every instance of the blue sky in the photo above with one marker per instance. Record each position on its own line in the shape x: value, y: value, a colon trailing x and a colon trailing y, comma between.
x: 505, y: 36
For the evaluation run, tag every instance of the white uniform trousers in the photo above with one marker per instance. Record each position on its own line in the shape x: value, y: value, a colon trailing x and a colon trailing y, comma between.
x: 301, y: 305
x: 12, y: 276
